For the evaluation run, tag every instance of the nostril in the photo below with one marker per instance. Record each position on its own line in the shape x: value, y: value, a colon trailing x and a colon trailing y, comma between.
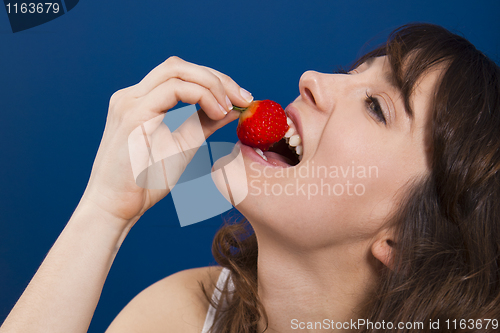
x: 310, y: 95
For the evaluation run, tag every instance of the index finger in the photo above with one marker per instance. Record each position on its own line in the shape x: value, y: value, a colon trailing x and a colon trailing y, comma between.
x: 176, y: 68
x: 239, y: 96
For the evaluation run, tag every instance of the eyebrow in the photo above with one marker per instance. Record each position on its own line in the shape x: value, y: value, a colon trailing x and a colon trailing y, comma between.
x: 390, y: 78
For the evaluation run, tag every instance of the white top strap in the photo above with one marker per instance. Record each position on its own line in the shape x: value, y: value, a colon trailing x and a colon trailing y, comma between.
x: 209, y: 319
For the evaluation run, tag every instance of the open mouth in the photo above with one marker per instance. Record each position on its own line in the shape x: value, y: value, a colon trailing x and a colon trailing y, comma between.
x: 282, y: 151
x: 288, y: 151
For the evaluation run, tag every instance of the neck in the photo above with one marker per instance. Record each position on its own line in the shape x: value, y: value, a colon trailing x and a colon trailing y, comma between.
x: 299, y: 288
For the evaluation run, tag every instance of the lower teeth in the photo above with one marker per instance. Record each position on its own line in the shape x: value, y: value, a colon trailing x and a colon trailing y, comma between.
x: 258, y: 151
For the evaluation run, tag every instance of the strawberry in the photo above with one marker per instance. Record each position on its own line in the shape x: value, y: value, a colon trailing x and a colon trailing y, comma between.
x: 261, y: 124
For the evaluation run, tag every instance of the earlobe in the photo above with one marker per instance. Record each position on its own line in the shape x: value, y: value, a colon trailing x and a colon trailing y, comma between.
x: 382, y: 250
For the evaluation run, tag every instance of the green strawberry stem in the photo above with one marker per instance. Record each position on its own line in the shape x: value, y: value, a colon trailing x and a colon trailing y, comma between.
x: 237, y: 108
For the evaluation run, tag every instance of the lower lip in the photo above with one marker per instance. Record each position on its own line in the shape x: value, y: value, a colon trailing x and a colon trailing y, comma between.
x: 255, y: 157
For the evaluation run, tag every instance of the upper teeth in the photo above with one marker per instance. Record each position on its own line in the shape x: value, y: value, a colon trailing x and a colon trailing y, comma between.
x: 293, y: 138
x: 290, y: 132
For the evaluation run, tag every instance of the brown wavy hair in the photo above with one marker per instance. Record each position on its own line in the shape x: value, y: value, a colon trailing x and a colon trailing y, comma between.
x: 447, y: 229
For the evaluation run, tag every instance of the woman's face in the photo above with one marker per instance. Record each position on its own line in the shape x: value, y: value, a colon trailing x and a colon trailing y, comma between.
x: 360, y: 149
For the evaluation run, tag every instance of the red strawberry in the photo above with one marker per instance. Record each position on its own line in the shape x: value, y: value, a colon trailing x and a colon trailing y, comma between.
x: 261, y: 124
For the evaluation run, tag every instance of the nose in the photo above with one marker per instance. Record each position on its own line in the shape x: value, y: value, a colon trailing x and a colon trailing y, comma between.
x: 314, y: 89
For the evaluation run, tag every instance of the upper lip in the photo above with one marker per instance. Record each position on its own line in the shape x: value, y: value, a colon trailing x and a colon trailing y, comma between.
x: 293, y: 114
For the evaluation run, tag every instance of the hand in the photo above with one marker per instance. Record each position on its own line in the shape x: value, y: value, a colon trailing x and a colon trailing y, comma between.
x: 112, y: 186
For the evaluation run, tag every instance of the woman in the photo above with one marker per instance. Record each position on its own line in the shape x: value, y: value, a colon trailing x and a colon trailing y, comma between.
x: 418, y: 246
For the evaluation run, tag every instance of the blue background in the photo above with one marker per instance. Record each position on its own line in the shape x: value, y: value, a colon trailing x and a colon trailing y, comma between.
x: 56, y: 80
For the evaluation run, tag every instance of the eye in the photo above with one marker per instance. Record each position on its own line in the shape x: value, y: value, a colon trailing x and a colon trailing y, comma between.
x: 374, y: 108
x: 372, y: 102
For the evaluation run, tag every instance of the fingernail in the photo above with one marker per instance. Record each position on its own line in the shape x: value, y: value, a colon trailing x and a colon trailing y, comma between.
x: 222, y: 109
x: 229, y: 105
x: 246, y: 95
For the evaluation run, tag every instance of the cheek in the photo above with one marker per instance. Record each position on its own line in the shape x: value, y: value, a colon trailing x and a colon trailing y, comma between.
x: 375, y: 164
x: 349, y: 140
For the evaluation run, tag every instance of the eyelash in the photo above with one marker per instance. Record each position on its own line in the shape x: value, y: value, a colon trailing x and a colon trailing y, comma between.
x: 374, y: 107
x: 372, y: 103
x: 341, y: 70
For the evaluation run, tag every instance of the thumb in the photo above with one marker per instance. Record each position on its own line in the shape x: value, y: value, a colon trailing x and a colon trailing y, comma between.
x: 179, y: 147
x: 196, y: 129
x: 210, y: 126
x: 152, y: 144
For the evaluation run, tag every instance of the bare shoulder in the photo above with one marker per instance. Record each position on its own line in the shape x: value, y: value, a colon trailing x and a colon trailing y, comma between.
x: 173, y: 304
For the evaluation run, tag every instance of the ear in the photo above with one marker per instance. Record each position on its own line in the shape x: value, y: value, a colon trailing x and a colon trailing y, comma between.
x: 382, y: 249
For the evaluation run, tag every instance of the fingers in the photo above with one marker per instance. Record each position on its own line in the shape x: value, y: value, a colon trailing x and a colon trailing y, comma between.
x: 239, y: 96
x: 172, y: 81
x: 221, y: 86
x: 166, y: 95
x: 175, y: 67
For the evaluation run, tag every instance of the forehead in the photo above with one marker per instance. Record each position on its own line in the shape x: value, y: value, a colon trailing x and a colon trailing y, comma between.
x: 424, y: 92
x: 383, y: 65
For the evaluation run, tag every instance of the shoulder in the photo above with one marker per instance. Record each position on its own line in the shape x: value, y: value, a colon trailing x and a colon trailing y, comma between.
x: 174, y: 304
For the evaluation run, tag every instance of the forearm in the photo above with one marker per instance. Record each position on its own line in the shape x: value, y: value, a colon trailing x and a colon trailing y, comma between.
x: 63, y: 294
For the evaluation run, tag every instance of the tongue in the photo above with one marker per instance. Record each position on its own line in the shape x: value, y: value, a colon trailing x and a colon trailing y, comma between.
x: 277, y: 159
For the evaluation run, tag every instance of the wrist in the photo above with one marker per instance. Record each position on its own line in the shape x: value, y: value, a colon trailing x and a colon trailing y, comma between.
x: 90, y: 215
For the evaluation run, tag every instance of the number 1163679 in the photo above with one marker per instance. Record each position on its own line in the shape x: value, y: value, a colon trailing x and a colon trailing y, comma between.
x: 33, y: 8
